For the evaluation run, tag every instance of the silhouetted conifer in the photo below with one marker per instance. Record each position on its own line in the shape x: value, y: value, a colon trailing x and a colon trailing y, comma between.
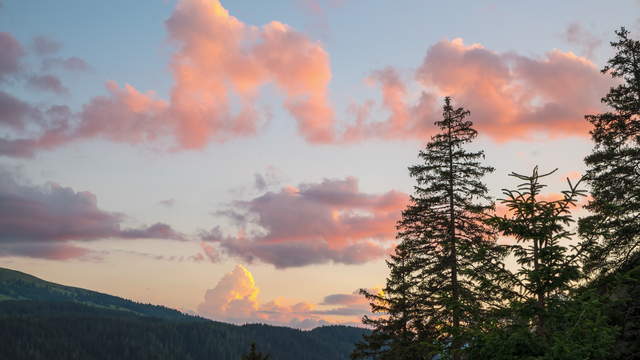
x: 547, y: 266
x: 614, y: 165
x: 396, y: 331
x: 446, y: 251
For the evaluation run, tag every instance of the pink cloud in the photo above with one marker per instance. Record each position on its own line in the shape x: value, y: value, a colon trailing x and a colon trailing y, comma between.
x: 272, y: 177
x: 56, y: 251
x: 312, y: 223
x: 10, y: 55
x: 354, y: 304
x: 125, y: 115
x: 219, y: 58
x: 576, y: 34
x: 345, y: 299
x: 44, y: 45
x: 15, y: 113
x: 155, y: 231
x: 31, y: 127
x: 514, y: 96
x: 72, y: 63
x: 210, y: 252
x: 221, y: 64
x: 47, y: 82
x: 510, y: 96
x: 44, y: 219
x: 317, y: 13
x: 405, y: 120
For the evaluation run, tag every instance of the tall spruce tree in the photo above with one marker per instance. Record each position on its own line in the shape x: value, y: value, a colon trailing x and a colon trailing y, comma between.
x: 614, y: 165
x: 445, y: 237
x: 548, y: 263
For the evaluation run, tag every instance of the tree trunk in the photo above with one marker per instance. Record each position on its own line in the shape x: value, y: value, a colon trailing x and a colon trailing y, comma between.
x: 455, y: 343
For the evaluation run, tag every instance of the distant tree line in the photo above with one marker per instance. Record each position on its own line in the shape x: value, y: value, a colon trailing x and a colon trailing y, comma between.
x: 68, y: 330
x: 455, y: 292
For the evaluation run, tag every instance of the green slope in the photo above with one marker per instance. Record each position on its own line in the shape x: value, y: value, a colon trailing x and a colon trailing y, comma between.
x: 16, y: 285
x: 44, y: 320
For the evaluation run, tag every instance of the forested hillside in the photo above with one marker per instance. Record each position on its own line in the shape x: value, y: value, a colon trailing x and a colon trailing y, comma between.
x: 43, y: 320
x: 16, y: 285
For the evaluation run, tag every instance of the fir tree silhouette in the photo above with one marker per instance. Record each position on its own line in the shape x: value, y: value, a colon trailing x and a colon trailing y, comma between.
x: 613, y: 168
x: 436, y: 292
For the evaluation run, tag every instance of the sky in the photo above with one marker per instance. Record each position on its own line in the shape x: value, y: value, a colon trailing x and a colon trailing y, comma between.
x: 247, y: 161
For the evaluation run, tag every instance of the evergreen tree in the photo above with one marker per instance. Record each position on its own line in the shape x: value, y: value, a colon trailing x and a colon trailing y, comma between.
x: 396, y: 332
x: 446, y: 248
x: 547, y: 267
x: 254, y: 354
x: 578, y: 328
x: 614, y: 165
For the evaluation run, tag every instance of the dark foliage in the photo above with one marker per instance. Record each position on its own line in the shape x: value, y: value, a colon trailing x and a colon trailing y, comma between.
x: 437, y: 289
x: 64, y: 330
x: 254, y: 354
x: 614, y: 165
x: 621, y: 293
x: 548, y: 268
x: 577, y: 329
x: 399, y: 332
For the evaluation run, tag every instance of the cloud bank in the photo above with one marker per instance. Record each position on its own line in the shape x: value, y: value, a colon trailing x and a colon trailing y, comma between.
x: 48, y: 221
x: 312, y: 223
x: 511, y: 97
x: 221, y: 66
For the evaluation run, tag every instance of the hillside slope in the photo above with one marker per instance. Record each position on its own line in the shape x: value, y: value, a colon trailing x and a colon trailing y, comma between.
x: 44, y: 320
x: 16, y: 285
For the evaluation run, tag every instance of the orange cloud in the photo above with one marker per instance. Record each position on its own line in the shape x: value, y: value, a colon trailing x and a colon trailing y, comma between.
x: 236, y: 294
x: 235, y: 298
